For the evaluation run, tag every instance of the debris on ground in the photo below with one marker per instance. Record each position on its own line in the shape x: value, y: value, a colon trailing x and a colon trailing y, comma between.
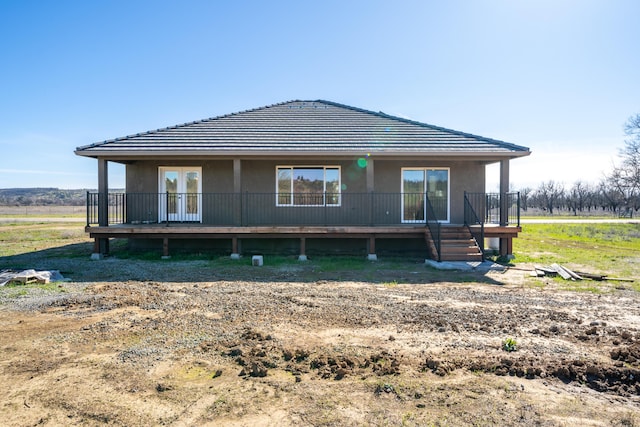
x: 568, y: 274
x: 25, y: 277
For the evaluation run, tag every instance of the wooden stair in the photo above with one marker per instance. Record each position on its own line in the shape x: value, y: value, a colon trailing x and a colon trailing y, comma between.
x: 456, y: 244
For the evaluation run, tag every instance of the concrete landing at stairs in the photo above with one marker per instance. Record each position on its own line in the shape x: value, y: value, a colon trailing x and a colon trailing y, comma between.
x: 483, y: 267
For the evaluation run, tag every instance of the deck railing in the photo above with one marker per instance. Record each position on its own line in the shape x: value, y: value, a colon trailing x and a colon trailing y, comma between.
x: 262, y: 209
x: 433, y: 225
x: 115, y: 208
x: 501, y: 209
x: 471, y: 220
x: 495, y: 208
x: 266, y: 209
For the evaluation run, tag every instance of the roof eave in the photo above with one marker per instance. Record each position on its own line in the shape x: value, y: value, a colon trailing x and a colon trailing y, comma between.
x: 140, y: 154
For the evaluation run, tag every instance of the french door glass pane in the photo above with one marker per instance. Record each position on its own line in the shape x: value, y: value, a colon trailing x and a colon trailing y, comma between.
x: 192, y: 192
x: 171, y: 187
x: 413, y: 190
x: 438, y: 192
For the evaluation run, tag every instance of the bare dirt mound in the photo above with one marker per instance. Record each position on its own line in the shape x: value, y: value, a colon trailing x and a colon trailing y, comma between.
x: 242, y: 352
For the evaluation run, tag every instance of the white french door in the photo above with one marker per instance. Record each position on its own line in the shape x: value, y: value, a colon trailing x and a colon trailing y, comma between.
x: 180, y: 194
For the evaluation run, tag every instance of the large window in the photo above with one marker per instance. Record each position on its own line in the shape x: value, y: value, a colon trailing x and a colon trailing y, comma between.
x: 308, y: 186
x: 418, y: 182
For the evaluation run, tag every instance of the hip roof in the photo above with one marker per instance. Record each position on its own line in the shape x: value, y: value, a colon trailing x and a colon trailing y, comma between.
x: 303, y: 128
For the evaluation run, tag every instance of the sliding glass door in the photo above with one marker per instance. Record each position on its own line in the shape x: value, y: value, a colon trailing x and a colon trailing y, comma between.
x: 418, y: 182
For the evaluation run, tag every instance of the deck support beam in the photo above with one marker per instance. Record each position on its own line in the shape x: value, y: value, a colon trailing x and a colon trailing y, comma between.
x: 165, y: 248
x: 303, y: 249
x: 234, y: 248
x: 372, y: 249
x: 506, y: 247
x: 100, y: 247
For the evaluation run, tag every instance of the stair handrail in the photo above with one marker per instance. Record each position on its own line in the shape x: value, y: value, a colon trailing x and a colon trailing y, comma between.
x: 432, y: 223
x: 471, y: 217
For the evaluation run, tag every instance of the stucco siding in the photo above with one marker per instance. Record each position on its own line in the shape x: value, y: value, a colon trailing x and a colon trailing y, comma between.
x: 463, y: 176
x: 259, y: 177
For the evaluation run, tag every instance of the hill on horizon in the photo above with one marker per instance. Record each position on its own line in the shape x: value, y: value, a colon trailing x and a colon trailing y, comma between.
x: 43, y: 196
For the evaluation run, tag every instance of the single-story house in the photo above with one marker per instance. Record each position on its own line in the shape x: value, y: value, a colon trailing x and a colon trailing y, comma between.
x: 306, y: 176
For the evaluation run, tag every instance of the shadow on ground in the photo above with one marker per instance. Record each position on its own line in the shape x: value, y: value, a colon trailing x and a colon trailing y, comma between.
x: 74, y: 262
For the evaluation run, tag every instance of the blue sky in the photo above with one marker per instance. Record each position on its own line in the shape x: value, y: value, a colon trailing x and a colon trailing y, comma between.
x: 560, y: 76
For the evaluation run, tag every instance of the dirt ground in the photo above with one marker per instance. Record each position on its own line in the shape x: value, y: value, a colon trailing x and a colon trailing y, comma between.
x: 181, y: 343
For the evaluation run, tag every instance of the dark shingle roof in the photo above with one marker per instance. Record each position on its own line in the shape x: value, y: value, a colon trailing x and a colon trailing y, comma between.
x: 303, y: 127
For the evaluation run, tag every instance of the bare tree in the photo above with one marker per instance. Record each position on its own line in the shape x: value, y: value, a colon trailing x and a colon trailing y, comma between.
x: 577, y: 197
x: 631, y: 160
x: 611, y: 195
x: 631, y: 152
x: 524, y: 197
x: 548, y: 194
x: 621, y: 188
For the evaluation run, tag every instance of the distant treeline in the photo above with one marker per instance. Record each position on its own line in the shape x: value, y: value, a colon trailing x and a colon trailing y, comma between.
x: 42, y: 197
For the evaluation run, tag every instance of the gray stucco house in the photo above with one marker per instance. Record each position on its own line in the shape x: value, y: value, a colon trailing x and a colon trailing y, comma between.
x: 306, y: 176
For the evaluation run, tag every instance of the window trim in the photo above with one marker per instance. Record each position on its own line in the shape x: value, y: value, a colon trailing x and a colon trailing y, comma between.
x: 425, y: 169
x: 324, y: 185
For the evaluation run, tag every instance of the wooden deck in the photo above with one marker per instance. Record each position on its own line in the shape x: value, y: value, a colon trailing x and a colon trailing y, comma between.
x: 500, y: 231
x: 167, y: 232
x: 199, y: 231
x: 506, y: 234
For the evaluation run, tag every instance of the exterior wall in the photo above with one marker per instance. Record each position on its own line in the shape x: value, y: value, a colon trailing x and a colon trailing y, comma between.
x: 142, y: 178
x: 217, y: 175
x: 463, y: 176
x: 259, y: 176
